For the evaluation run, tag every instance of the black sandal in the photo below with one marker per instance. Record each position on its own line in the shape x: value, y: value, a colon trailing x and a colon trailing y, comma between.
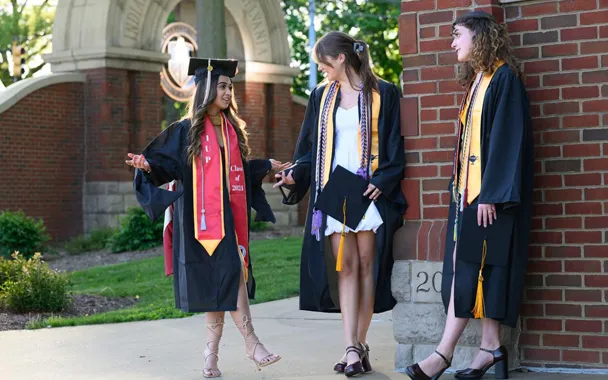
x: 416, y: 373
x: 357, y: 367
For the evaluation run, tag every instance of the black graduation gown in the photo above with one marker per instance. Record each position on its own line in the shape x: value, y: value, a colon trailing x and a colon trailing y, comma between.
x: 318, y: 278
x: 507, y: 181
x: 201, y: 282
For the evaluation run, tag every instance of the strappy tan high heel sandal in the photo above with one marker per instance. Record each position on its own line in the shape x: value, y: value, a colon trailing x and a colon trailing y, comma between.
x: 251, y: 339
x: 212, y: 327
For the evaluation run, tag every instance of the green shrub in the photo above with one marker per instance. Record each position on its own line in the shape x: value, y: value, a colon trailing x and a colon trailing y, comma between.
x: 18, y: 232
x: 258, y: 226
x: 95, y: 241
x: 10, y: 269
x: 35, y: 288
x: 137, y: 232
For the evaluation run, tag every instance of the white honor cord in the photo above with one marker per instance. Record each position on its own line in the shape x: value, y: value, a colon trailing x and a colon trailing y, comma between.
x: 208, y: 86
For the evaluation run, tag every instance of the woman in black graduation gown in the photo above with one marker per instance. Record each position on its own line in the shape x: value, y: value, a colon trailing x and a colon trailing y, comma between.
x: 353, y: 121
x: 206, y: 153
x: 490, y: 211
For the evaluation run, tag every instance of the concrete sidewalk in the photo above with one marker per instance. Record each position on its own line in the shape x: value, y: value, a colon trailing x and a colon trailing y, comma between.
x: 173, y: 349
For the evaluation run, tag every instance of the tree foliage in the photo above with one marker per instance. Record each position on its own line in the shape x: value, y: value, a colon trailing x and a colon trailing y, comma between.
x: 373, y: 21
x: 30, y: 23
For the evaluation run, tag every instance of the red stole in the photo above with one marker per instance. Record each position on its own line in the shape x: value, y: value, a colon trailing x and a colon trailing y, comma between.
x: 208, y: 190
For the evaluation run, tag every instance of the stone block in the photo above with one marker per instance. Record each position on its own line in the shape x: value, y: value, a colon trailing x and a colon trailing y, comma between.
x: 418, y: 323
x: 426, y: 281
x: 125, y: 187
x: 89, y: 203
x: 110, y: 203
x: 283, y: 218
x: 130, y: 201
x: 93, y: 188
x: 401, y: 281
x: 403, y: 356
x: 112, y: 187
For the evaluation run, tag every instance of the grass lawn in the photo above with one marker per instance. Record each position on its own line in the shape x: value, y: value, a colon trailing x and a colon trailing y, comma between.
x: 276, y: 265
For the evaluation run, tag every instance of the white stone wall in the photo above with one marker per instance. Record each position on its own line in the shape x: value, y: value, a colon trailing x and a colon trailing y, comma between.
x: 419, y: 318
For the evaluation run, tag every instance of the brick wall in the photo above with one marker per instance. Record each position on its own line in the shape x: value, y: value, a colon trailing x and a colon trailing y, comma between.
x: 564, y: 46
x: 41, y: 150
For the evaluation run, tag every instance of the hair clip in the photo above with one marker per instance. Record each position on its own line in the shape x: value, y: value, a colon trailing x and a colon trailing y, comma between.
x: 358, y: 47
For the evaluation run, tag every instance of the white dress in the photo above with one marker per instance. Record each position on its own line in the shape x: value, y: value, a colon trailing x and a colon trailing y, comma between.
x: 346, y: 154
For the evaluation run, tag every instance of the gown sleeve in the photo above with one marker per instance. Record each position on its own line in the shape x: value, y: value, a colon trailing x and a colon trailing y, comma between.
x: 258, y: 170
x: 302, y: 157
x: 164, y: 154
x: 502, y: 177
x: 390, y: 170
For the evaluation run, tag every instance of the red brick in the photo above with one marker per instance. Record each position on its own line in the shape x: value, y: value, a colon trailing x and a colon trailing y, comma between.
x: 584, y: 208
x: 544, y: 266
x: 534, y: 324
x: 527, y: 53
x: 542, y: 66
x: 532, y: 81
x: 580, y: 356
x: 596, y: 341
x: 443, y: 4
x: 540, y: 38
x: 581, y: 92
x: 580, y: 121
x: 548, y: 209
x: 560, y: 108
x: 415, y: 61
x: 561, y: 340
x: 541, y: 354
x: 583, y: 296
x: 539, y: 9
x: 428, y: 115
x: 596, y: 281
x: 559, y: 137
x: 526, y: 339
x: 438, y: 156
x: 596, y: 222
x: 445, y: 30
x: 434, y: 73
x: 561, y: 195
x: 543, y: 95
x: 581, y: 150
x: 548, y: 151
x: 596, y: 194
x: 594, y: 164
x: 563, y: 280
x: 593, y: 179
x: 579, y: 237
x: 579, y: 63
x: 564, y: 223
x: 604, y: 31
x: 595, y: 77
x: 532, y: 310
x: 437, y: 101
x: 594, y: 47
x: 428, y: 171
x: 588, y: 33
x: 430, y: 199
x: 419, y: 88
x: 428, y: 32
x: 547, y: 237
x: 437, y: 128
x: 434, y: 213
x: 420, y: 144
x: 583, y: 266
x: 449, y: 86
x: 447, y: 58
x: 435, y: 45
x: 436, y: 17
x: 545, y: 123
x: 589, y: 18
x: 415, y: 6
x: 409, y: 116
x: 560, y: 79
x: 448, y: 142
x: 547, y: 181
x: 577, y: 5
x: 595, y: 311
x: 434, y: 184
x: 448, y: 114
x: 560, y: 50
x: 411, y: 190
x: 408, y: 32
x: 522, y: 25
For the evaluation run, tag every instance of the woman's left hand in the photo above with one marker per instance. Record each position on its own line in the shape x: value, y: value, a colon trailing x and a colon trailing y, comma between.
x: 278, y: 166
x: 373, y: 192
x: 486, y: 213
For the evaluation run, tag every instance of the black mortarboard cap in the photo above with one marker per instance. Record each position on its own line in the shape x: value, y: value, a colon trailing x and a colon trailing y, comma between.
x: 344, y: 185
x: 200, y: 66
x: 497, y: 237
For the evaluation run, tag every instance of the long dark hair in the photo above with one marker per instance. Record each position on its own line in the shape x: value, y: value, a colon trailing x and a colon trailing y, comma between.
x: 491, y: 42
x: 335, y: 43
x: 197, y: 111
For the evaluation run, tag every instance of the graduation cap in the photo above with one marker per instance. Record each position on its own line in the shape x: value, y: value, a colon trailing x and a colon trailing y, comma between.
x: 489, y: 245
x: 342, y: 198
x: 208, y: 67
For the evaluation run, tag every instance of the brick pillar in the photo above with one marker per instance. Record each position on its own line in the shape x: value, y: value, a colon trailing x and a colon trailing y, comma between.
x: 564, y: 49
x: 429, y: 111
x: 123, y: 113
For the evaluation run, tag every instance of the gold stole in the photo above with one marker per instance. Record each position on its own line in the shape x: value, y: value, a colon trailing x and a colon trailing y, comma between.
x: 472, y: 157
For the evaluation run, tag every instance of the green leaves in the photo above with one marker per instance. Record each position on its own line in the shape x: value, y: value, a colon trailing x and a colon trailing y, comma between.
x: 19, y: 232
x: 137, y: 232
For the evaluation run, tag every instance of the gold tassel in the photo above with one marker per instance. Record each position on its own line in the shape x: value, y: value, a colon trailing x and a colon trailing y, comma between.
x: 479, y: 308
x: 342, y: 238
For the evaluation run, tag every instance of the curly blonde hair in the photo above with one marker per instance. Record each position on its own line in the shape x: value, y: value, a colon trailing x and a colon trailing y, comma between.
x: 491, y: 42
x: 197, y: 112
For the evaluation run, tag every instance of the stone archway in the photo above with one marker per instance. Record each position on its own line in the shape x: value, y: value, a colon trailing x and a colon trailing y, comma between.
x: 126, y: 34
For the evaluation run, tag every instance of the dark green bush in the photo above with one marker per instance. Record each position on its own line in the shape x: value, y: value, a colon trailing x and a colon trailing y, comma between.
x: 18, y: 232
x: 95, y: 241
x: 137, y: 232
x: 34, y: 287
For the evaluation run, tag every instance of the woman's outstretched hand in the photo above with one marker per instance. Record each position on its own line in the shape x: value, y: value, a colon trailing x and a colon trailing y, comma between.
x: 138, y: 161
x: 284, y: 179
x: 277, y: 166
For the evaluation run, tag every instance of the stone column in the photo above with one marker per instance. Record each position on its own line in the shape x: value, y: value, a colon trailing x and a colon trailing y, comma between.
x: 211, y: 28
x: 429, y: 112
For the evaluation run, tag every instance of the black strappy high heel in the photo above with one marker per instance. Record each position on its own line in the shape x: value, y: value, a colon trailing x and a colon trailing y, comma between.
x: 416, y: 373
x: 357, y: 367
x: 500, y: 359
